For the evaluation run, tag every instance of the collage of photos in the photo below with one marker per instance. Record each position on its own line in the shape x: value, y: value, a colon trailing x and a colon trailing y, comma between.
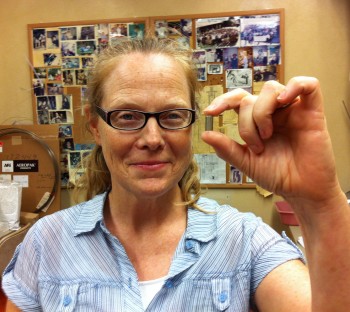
x: 73, y: 164
x: 245, y: 49
x: 71, y: 155
x: 54, y: 109
x: 62, y: 57
x: 72, y: 49
x: 239, y: 51
x: 230, y: 52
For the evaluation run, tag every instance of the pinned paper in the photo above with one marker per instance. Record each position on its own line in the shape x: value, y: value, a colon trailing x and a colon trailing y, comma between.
x: 23, y: 180
x: 263, y: 192
x: 212, y: 168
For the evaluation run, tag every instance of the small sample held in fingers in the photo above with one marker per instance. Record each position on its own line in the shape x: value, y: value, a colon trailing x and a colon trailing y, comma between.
x: 209, y: 123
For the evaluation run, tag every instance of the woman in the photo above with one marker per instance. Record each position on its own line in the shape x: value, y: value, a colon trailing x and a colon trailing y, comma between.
x: 146, y: 240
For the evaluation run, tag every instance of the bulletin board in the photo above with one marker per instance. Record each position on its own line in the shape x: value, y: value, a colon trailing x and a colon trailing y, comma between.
x: 231, y: 50
x: 61, y: 55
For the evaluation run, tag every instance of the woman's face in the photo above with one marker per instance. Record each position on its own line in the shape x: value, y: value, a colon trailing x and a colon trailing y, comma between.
x: 148, y: 162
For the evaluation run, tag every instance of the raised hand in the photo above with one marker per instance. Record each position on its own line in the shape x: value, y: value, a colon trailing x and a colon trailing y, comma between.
x: 288, y: 149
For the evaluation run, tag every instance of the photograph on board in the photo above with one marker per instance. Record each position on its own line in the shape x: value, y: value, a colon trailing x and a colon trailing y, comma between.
x: 260, y: 30
x: 217, y: 32
x: 237, y: 78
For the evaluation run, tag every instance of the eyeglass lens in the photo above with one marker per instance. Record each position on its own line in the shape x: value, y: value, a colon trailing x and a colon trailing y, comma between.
x: 171, y: 119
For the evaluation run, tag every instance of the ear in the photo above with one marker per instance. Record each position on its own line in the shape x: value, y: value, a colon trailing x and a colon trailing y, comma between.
x: 92, y: 120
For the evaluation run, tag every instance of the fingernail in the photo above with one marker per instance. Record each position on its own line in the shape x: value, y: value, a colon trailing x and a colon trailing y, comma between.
x: 211, y: 107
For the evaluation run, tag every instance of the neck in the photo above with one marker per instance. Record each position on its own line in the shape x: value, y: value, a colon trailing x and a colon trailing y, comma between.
x: 142, y: 215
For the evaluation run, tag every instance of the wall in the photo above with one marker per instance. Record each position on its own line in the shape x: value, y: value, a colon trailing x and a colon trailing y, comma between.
x: 317, y: 44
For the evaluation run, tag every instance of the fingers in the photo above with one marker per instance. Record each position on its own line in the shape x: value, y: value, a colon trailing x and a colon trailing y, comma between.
x: 308, y: 88
x: 243, y: 103
x: 265, y: 106
x: 225, y: 148
x: 256, y: 113
x: 226, y: 101
x: 247, y: 126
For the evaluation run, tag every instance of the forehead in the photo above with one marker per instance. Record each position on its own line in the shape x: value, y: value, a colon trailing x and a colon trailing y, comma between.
x: 138, y: 73
x: 158, y: 65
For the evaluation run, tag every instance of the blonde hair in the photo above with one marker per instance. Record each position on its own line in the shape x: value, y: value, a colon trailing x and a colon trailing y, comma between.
x: 97, y: 178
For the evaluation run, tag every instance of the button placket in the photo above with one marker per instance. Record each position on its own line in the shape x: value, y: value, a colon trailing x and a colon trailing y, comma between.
x: 69, y: 297
x: 221, y: 288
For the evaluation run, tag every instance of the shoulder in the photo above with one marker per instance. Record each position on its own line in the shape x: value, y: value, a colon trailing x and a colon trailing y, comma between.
x: 243, y: 228
x: 64, y: 217
x: 71, y: 220
x: 225, y: 213
x: 226, y: 224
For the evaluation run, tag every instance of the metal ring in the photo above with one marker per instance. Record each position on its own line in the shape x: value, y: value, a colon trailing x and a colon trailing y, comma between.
x: 53, y: 192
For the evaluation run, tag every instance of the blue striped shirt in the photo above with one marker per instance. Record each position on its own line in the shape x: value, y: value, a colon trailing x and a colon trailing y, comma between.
x: 69, y: 261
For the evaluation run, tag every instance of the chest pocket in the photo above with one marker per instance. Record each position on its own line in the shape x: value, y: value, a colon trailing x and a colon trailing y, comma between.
x: 231, y: 293
x: 58, y: 297
x: 81, y: 296
x: 211, y: 292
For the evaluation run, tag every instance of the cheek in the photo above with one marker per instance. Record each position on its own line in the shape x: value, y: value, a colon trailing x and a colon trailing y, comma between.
x: 184, y: 148
x: 113, y: 148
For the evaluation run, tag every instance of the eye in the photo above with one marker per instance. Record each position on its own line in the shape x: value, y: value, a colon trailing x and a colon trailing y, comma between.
x: 174, y: 115
x: 127, y: 115
x: 175, y: 119
x: 127, y: 119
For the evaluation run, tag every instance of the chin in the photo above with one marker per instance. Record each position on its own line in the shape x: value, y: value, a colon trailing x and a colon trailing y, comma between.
x: 151, y: 190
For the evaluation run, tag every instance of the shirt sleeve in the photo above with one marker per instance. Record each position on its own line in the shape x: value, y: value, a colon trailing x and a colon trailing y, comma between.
x: 20, y: 278
x: 269, y: 251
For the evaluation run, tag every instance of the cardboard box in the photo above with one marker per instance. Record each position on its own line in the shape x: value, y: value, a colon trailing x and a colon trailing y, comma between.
x: 26, y: 160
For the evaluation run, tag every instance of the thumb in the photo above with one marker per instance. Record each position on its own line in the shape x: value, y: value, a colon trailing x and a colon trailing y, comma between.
x: 225, y: 148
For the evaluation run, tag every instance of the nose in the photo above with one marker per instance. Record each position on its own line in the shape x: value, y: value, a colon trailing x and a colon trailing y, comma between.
x: 151, y: 135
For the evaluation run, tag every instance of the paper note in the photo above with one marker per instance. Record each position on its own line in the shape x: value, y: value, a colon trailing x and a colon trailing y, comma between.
x: 212, y: 169
x: 263, y: 192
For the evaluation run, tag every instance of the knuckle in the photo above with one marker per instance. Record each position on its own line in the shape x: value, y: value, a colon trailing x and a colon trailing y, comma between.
x: 247, y: 101
x: 271, y: 86
x: 245, y: 133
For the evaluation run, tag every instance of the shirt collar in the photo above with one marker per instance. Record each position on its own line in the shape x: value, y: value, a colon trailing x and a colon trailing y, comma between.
x: 201, y: 226
x: 91, y: 212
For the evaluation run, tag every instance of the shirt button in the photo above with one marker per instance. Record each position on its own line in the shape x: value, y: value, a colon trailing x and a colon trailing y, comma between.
x: 67, y: 300
x: 189, y: 244
x: 169, y: 284
x: 223, y: 296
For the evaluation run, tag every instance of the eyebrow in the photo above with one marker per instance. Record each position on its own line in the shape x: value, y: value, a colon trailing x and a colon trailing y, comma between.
x: 141, y: 107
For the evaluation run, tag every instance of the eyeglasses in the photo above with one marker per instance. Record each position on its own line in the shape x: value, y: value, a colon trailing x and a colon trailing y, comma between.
x: 129, y: 119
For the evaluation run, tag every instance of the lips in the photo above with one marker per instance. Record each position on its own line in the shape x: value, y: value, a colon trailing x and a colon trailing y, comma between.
x: 150, y: 165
